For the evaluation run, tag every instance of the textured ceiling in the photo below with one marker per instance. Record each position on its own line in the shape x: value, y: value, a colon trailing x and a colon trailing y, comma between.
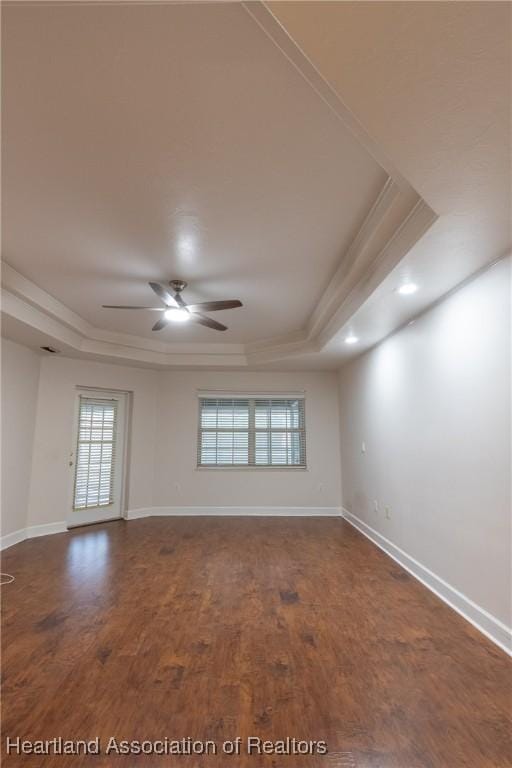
x: 152, y: 142
x: 192, y: 147
x: 432, y: 86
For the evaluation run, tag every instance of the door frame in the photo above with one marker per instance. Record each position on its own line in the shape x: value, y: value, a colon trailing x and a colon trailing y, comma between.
x: 100, y: 392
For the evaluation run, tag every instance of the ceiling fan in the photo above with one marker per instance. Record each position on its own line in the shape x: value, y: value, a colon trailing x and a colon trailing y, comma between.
x: 176, y: 310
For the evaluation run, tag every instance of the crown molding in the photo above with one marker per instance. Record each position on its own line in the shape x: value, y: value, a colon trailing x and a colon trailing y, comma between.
x: 84, y: 340
x: 272, y: 27
x: 394, y: 223
x: 27, y: 291
x: 354, y: 259
x: 385, y: 254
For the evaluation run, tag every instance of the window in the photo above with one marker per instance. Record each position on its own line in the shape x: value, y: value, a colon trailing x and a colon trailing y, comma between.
x: 94, y: 475
x: 251, y: 432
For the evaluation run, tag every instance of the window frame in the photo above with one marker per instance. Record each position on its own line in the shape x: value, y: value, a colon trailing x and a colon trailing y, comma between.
x: 251, y: 431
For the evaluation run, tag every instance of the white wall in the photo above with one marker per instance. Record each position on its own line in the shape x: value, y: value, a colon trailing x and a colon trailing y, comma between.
x: 180, y: 483
x: 50, y: 487
x: 20, y: 377
x: 162, y: 454
x: 432, y: 404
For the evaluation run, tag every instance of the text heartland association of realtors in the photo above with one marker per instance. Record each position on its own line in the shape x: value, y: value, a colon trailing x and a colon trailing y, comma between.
x: 252, y: 745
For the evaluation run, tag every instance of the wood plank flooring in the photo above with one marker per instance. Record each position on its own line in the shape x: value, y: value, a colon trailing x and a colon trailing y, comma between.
x: 213, y: 628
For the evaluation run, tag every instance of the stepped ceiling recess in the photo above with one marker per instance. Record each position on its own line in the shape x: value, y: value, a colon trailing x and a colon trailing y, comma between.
x: 253, y: 151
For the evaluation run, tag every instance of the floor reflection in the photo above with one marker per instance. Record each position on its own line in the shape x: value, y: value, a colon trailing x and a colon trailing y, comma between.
x: 88, y: 555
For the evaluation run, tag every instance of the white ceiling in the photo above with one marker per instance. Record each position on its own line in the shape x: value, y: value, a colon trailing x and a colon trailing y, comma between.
x: 199, y: 142
x: 432, y: 85
x: 185, y: 146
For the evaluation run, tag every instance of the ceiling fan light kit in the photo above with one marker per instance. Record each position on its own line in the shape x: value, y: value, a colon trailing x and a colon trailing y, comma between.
x: 177, y: 315
x: 176, y: 310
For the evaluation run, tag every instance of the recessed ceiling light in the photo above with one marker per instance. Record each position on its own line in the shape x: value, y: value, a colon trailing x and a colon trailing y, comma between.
x: 177, y: 315
x: 407, y: 288
x: 351, y: 339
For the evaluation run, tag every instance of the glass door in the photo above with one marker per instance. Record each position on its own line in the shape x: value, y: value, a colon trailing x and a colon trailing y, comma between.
x: 98, y: 457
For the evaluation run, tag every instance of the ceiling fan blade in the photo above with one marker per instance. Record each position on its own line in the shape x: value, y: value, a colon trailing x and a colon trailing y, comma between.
x: 164, y: 295
x: 214, y: 306
x: 161, y: 323
x: 124, y: 306
x: 178, y: 299
x: 207, y: 321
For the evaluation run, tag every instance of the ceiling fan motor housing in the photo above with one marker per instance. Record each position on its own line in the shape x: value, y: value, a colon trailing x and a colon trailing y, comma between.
x: 178, y: 285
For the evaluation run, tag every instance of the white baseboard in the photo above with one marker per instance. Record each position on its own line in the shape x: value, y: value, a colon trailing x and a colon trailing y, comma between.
x: 31, y: 532
x: 44, y: 530
x: 133, y: 514
x: 13, y: 538
x: 488, y: 624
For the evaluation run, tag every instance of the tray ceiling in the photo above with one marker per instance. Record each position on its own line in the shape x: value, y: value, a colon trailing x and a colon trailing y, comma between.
x: 149, y: 142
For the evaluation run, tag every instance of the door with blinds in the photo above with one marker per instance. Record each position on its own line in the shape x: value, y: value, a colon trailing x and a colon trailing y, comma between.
x: 97, y: 457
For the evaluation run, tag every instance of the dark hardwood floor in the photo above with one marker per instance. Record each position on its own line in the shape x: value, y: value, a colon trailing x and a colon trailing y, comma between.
x: 212, y: 628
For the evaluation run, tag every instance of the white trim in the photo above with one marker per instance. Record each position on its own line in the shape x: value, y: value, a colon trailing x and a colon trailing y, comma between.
x: 394, y: 223
x: 32, y: 532
x: 113, y: 511
x: 10, y: 539
x: 223, y: 394
x: 485, y: 622
x: 270, y: 24
x: 134, y: 514
x: 45, y: 530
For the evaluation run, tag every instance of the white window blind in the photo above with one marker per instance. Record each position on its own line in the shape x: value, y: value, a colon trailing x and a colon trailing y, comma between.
x: 253, y: 432
x: 95, y: 455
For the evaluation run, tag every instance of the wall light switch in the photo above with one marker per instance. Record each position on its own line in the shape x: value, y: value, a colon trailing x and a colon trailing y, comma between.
x: 388, y: 513
x: 363, y: 447
x: 375, y: 505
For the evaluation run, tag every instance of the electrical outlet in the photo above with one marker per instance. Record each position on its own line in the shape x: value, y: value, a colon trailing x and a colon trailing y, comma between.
x: 387, y: 511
